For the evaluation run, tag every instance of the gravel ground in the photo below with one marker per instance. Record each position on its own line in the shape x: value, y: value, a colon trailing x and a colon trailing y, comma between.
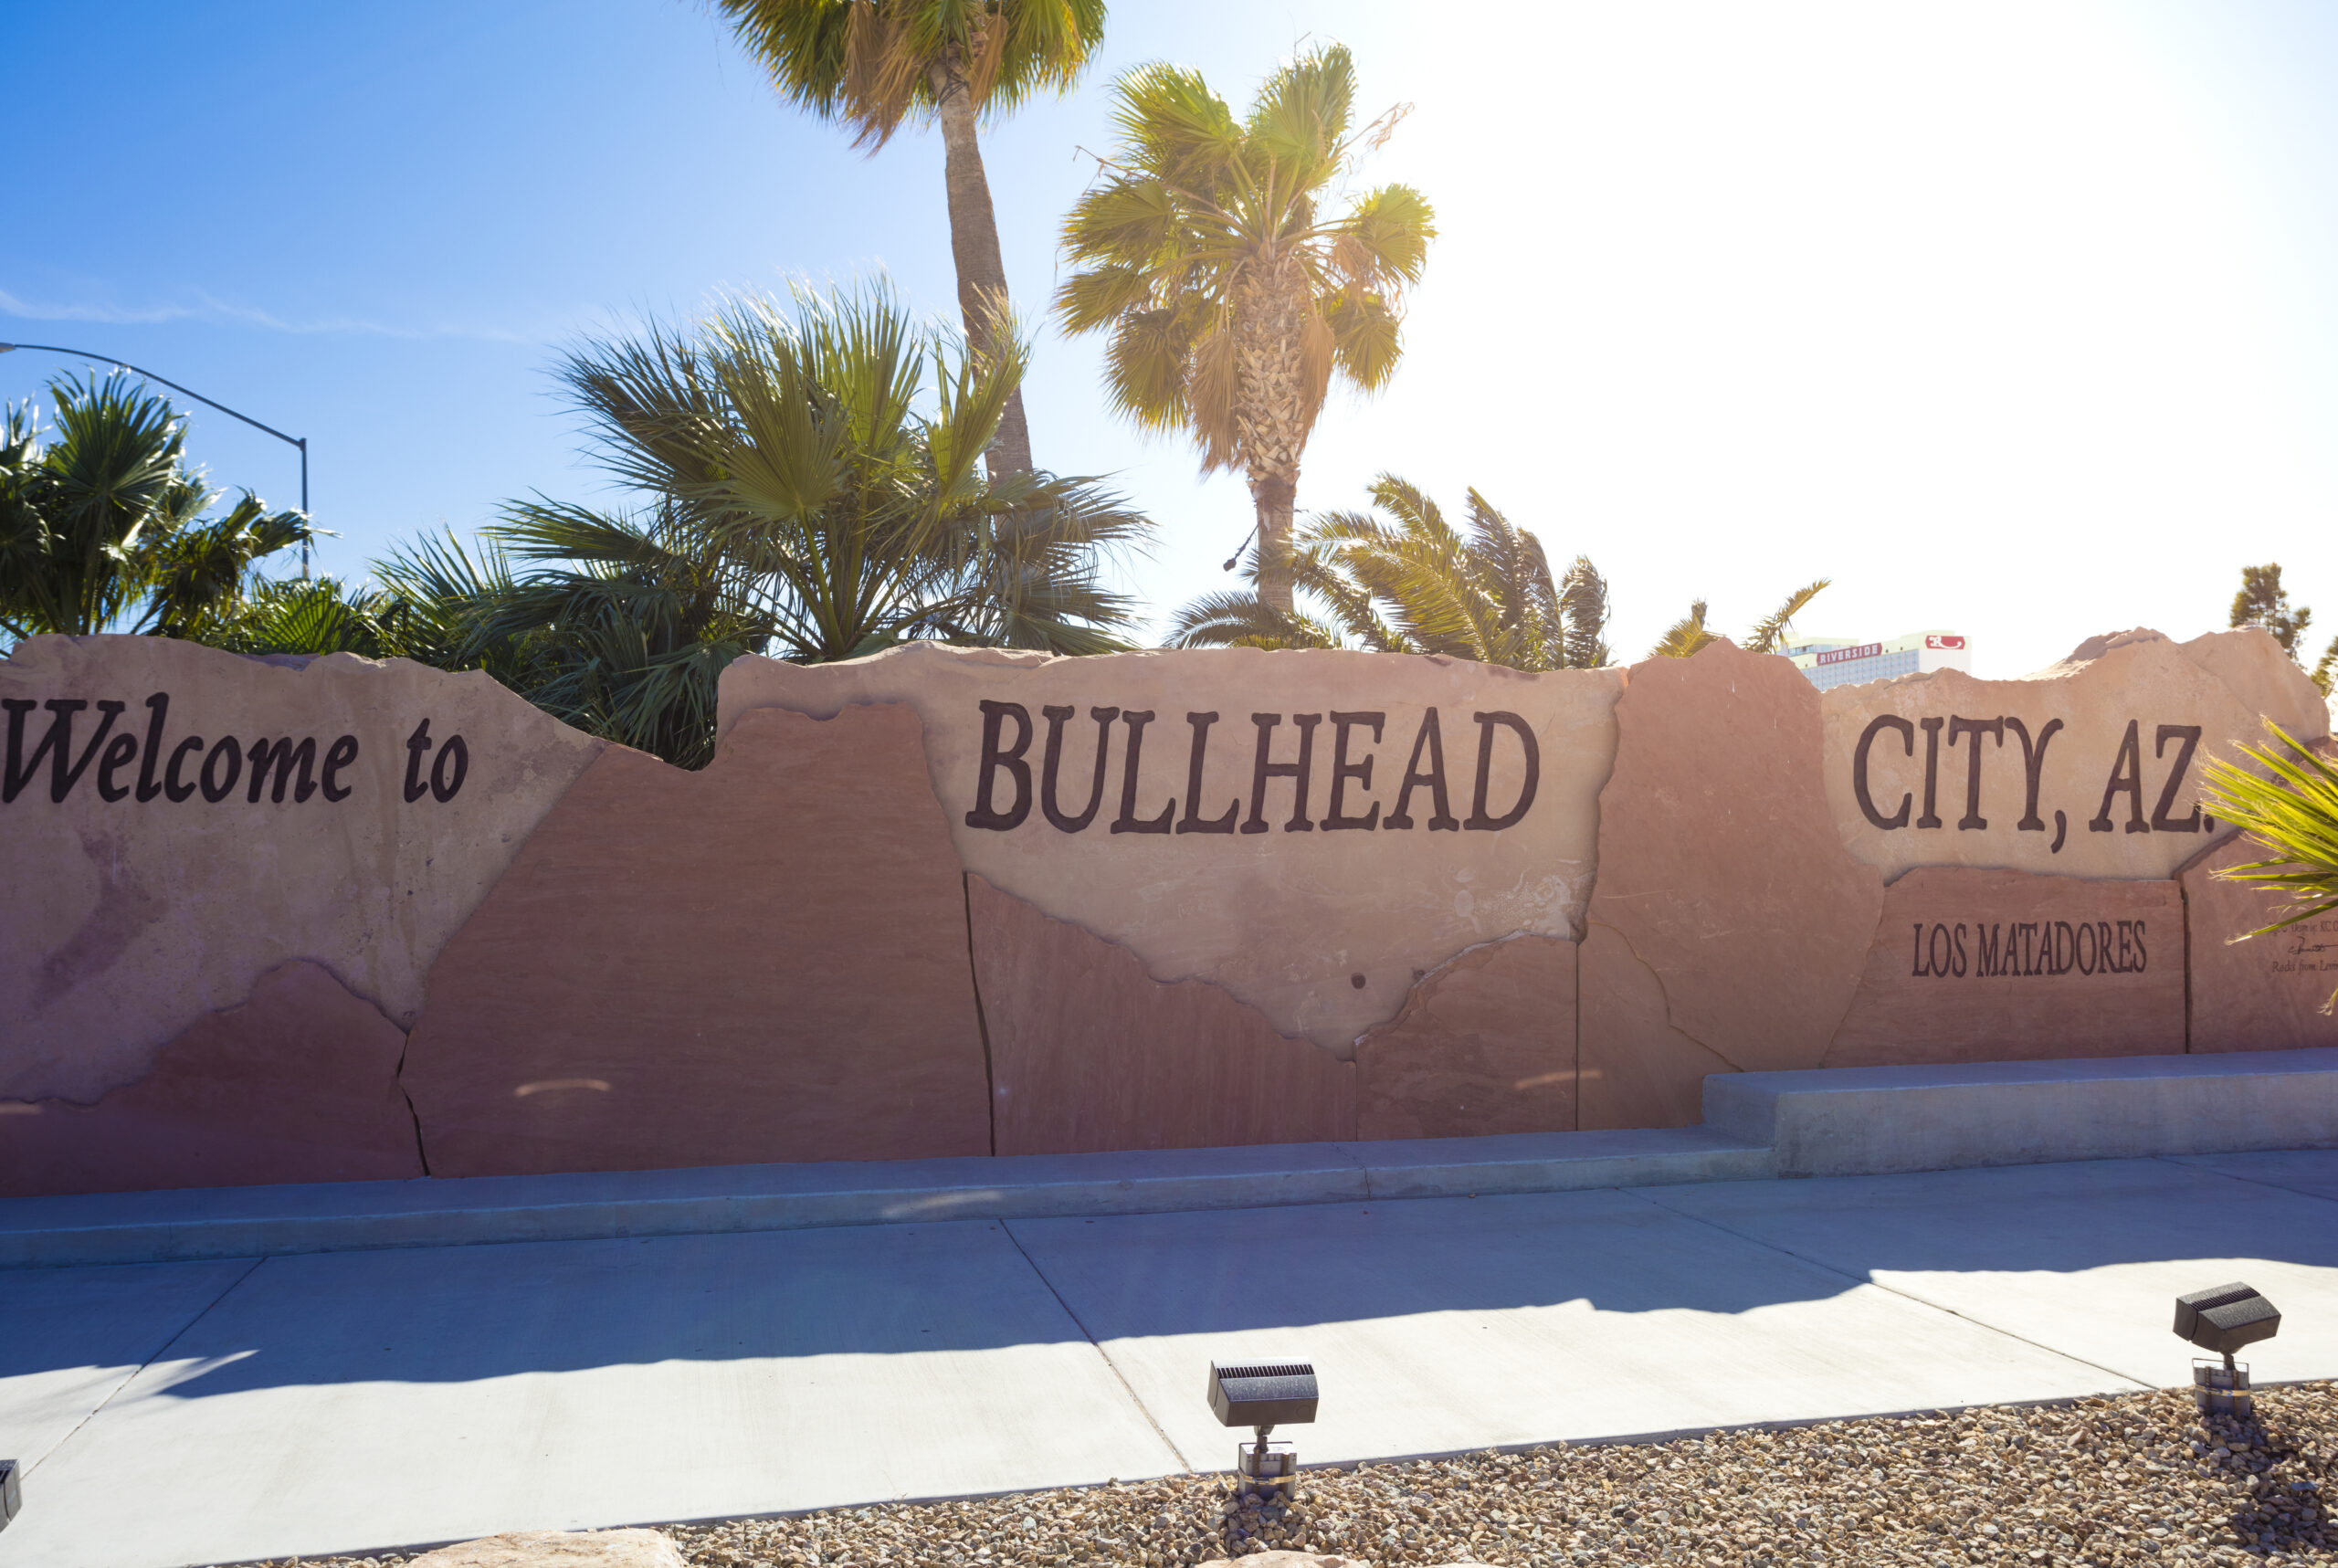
x: 2136, y: 1479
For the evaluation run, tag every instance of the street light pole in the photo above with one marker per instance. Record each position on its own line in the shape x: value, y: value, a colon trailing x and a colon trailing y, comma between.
x: 299, y: 441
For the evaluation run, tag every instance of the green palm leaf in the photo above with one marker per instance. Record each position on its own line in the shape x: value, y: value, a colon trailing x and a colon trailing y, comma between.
x: 2290, y: 810
x: 1233, y: 282
x: 812, y: 490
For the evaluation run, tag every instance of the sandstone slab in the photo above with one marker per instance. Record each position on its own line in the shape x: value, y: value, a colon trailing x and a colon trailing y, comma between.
x: 1484, y: 1045
x: 1090, y: 1053
x: 1719, y: 863
x: 1983, y: 965
x: 2090, y: 768
x: 298, y: 1083
x: 1635, y: 1068
x: 1276, y: 824
x: 2265, y: 680
x: 2254, y: 994
x: 559, y: 1549
x: 764, y: 960
x: 179, y: 821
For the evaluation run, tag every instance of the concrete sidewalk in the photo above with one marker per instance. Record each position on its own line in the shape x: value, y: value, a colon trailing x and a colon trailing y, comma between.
x: 217, y: 1411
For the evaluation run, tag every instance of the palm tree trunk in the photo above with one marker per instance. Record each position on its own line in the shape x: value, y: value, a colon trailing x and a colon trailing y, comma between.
x: 1274, y: 496
x: 1269, y: 321
x: 973, y: 246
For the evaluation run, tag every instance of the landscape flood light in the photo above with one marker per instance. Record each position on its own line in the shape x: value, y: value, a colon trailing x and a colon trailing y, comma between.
x: 1262, y: 1398
x: 2223, y: 1319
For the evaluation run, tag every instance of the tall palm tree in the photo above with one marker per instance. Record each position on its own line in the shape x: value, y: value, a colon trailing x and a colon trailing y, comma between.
x: 1684, y: 636
x: 102, y: 525
x: 813, y: 490
x: 1407, y: 581
x: 871, y: 64
x: 1231, y: 288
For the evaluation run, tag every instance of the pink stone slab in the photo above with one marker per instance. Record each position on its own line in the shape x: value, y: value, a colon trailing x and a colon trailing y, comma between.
x: 155, y: 880
x: 1088, y: 1052
x: 1485, y: 1044
x: 2266, y: 993
x: 1719, y: 862
x: 1636, y: 1069
x: 765, y: 961
x: 299, y: 1083
x: 1952, y: 976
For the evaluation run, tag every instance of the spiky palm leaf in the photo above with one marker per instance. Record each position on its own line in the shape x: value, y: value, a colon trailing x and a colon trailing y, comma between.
x: 102, y: 528
x: 1769, y: 633
x: 1239, y: 620
x: 1583, y: 606
x: 1401, y: 579
x: 2292, y: 810
x: 817, y: 494
x: 305, y: 617
x: 1232, y: 284
x: 1686, y: 635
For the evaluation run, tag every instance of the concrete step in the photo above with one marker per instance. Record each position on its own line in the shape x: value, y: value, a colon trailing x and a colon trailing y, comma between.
x: 1854, y: 1122
x: 1845, y: 1122
x: 250, y: 1222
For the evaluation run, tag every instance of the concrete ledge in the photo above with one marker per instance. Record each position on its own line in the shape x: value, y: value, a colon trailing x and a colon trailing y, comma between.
x: 1844, y: 1121
x: 1871, y: 1121
x: 251, y: 1222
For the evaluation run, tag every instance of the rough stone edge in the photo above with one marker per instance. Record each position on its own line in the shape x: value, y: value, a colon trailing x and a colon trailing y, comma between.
x: 404, y: 1031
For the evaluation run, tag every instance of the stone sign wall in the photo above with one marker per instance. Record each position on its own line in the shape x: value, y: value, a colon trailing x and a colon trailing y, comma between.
x: 301, y: 920
x: 1314, y: 855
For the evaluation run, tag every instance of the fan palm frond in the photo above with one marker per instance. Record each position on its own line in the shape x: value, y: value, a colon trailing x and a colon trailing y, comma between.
x: 813, y: 490
x: 1232, y: 282
x: 102, y: 524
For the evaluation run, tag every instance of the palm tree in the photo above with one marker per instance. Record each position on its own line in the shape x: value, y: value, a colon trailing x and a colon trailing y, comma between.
x: 1684, y: 636
x: 1232, y: 293
x: 1408, y: 582
x: 871, y: 64
x: 801, y: 502
x: 420, y: 605
x: 102, y: 528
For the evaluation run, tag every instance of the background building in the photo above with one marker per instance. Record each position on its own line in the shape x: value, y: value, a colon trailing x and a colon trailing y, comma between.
x: 1834, y: 661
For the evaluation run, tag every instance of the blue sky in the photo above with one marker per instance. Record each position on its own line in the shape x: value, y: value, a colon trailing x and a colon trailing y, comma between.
x: 2013, y: 319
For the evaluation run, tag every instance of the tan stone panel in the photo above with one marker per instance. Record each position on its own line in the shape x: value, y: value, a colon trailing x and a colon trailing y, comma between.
x: 1721, y: 864
x: 1992, y: 966
x: 765, y: 961
x: 131, y: 917
x: 2266, y: 993
x: 2091, y: 769
x: 1484, y: 1045
x: 1088, y: 1052
x: 1232, y: 883
x: 297, y: 1084
x: 1635, y: 1068
x: 2267, y: 681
